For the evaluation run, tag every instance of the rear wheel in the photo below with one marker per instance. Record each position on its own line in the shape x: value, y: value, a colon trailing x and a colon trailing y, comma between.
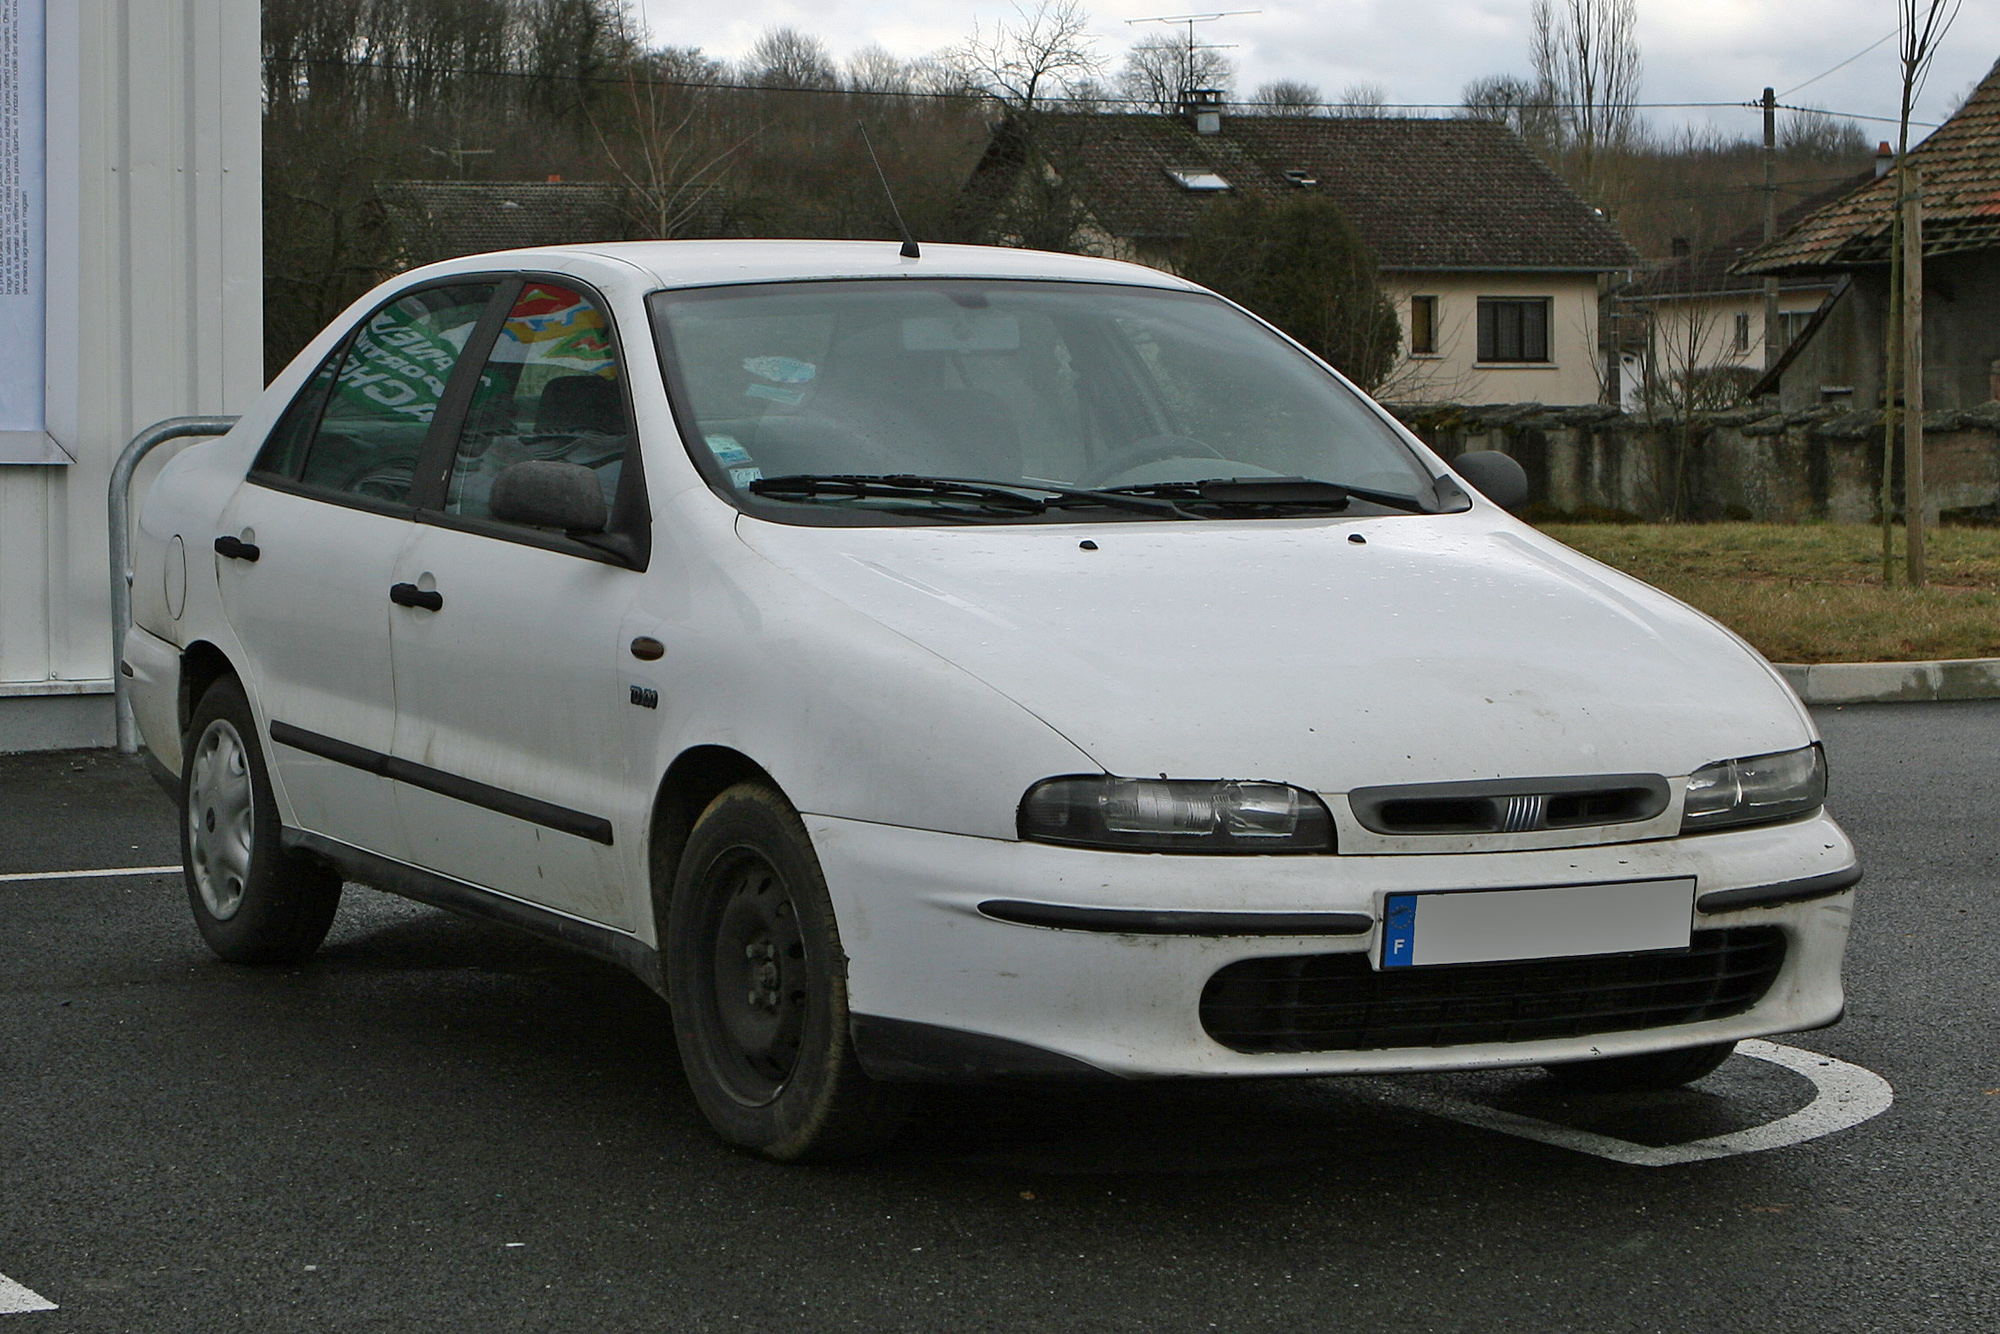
x: 1648, y: 1071
x: 758, y: 982
x: 253, y: 901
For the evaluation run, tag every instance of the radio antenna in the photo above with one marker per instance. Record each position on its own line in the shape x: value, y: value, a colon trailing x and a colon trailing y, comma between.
x: 909, y: 250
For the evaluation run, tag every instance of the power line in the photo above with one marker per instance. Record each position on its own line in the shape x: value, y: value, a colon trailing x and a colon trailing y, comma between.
x: 974, y: 94
x: 1845, y: 63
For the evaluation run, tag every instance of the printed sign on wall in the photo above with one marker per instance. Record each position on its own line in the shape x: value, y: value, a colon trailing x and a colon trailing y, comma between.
x: 23, y: 199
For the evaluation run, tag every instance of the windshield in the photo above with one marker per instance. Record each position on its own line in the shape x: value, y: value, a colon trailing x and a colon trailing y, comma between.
x: 1058, y: 389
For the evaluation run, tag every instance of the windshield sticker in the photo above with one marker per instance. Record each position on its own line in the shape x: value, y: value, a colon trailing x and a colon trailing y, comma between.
x: 727, y: 450
x: 744, y: 476
x: 784, y: 370
x: 791, y: 398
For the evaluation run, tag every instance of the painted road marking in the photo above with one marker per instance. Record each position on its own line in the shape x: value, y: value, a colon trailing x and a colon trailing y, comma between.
x: 17, y: 1300
x: 1846, y: 1095
x: 89, y: 875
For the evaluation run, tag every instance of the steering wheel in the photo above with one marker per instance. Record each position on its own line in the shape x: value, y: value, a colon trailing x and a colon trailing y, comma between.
x: 1148, y: 449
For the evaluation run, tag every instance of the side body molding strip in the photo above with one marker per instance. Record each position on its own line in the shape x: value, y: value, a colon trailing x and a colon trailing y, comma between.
x: 413, y: 882
x: 532, y: 809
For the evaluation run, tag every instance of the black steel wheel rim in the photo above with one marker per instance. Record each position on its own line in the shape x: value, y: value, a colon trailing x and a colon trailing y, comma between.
x: 759, y: 985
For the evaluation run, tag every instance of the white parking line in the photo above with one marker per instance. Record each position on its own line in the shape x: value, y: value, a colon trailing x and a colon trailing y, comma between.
x: 1846, y: 1095
x: 89, y: 875
x: 17, y: 1300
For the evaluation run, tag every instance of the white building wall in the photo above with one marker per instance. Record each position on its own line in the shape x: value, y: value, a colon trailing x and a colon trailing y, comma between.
x: 1454, y: 373
x: 155, y: 288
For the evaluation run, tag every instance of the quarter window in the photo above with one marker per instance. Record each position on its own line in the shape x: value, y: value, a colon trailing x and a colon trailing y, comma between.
x: 387, y: 390
x: 1513, y: 329
x: 551, y: 389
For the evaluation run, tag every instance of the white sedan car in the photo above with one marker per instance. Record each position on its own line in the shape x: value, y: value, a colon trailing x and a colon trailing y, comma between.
x: 975, y: 665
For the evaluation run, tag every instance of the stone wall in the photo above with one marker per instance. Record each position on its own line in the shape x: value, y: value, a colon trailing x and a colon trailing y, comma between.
x: 1783, y: 467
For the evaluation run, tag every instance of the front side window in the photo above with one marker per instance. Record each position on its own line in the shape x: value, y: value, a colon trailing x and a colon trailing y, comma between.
x: 1017, y: 384
x: 1513, y: 329
x: 387, y: 389
x: 551, y: 390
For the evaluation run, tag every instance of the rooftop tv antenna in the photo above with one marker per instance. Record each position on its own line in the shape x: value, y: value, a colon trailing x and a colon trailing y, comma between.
x: 1187, y: 74
x: 909, y: 250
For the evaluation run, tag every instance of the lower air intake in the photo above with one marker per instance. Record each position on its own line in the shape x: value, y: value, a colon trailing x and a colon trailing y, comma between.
x: 1336, y: 1002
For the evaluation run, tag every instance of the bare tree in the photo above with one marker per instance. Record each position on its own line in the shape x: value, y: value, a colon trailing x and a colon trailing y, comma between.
x: 1035, y: 57
x: 1288, y: 97
x: 784, y: 57
x: 1922, y: 25
x: 1162, y: 68
x: 1362, y: 99
x: 876, y: 69
x: 1524, y: 107
x: 1586, y: 53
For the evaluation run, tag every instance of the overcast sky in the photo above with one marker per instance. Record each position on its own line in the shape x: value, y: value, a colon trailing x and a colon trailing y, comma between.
x: 1426, y: 50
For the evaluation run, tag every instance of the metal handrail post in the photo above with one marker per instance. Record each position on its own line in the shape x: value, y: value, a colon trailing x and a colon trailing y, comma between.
x: 144, y: 443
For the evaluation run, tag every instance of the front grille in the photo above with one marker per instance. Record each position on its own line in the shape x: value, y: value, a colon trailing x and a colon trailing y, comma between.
x: 1337, y: 1002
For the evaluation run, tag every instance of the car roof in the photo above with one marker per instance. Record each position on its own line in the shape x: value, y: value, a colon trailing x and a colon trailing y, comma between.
x: 714, y: 263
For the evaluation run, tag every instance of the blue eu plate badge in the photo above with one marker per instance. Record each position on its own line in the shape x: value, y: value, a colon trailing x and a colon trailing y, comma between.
x: 1399, y: 930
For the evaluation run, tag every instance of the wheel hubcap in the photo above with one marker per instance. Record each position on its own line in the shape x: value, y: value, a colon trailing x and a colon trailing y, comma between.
x: 221, y: 819
x: 760, y: 979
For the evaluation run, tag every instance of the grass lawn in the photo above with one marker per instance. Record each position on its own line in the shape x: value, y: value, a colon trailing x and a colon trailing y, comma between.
x: 1813, y: 592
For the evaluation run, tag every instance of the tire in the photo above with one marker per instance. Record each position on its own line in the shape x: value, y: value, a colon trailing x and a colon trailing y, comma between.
x: 253, y: 901
x: 758, y: 984
x: 1653, y: 1070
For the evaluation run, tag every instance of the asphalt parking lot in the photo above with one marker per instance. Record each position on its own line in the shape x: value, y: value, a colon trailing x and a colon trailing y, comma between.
x: 439, y: 1125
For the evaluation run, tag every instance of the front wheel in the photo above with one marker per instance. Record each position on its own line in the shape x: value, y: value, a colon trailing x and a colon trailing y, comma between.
x: 253, y: 901
x: 1648, y: 1071
x: 758, y: 983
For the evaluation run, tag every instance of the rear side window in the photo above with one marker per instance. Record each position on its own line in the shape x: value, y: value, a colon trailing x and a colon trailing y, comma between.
x: 379, y: 404
x: 551, y: 389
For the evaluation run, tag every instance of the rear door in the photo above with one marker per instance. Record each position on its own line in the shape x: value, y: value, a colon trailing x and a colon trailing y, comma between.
x: 510, y: 689
x: 308, y: 546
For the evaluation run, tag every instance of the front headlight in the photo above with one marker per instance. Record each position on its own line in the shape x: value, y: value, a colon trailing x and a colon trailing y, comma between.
x: 1757, y: 790
x: 1175, y: 815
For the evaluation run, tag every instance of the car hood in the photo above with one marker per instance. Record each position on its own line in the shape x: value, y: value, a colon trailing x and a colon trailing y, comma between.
x: 1328, y: 654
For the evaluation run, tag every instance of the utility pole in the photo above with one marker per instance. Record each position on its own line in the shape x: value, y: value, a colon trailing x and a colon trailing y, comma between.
x: 1773, y: 345
x: 1913, y: 373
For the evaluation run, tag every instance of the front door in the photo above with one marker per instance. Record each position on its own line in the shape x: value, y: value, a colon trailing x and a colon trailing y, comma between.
x: 509, y: 689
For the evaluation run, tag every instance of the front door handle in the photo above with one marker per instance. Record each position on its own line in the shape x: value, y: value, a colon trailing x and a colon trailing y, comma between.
x: 409, y: 595
x: 235, y: 548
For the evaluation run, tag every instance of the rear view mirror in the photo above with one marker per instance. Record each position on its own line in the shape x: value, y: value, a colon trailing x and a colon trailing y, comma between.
x: 546, y: 494
x: 1497, y: 476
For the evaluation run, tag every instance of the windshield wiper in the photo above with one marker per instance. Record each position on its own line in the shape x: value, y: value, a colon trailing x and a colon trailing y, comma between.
x: 1017, y: 497
x: 1273, y: 493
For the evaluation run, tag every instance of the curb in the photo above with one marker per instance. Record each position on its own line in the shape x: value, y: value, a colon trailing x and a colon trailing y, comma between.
x: 1893, y: 682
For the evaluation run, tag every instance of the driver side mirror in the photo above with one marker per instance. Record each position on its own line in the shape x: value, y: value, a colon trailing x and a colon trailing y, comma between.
x: 544, y: 493
x: 1498, y: 476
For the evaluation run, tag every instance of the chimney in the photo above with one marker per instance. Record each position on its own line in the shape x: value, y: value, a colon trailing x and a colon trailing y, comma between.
x: 1885, y: 158
x: 1203, y: 108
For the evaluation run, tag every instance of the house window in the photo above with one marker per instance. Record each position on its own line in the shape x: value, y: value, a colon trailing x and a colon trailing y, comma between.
x: 1742, y: 332
x: 1513, y: 329
x: 1793, y: 323
x: 1423, y: 326
x: 1199, y: 182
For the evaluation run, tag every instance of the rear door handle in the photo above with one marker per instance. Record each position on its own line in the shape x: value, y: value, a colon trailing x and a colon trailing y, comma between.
x: 409, y: 595
x: 236, y: 548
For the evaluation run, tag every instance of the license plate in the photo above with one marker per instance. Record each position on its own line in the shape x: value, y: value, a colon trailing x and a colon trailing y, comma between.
x: 1492, y: 926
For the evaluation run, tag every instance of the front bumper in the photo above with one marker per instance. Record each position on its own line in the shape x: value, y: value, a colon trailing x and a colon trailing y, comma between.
x: 926, y: 967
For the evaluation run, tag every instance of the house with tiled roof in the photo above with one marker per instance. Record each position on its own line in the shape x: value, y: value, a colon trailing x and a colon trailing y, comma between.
x: 434, y: 220
x: 1839, y: 359
x: 1693, y: 314
x: 1495, y: 266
